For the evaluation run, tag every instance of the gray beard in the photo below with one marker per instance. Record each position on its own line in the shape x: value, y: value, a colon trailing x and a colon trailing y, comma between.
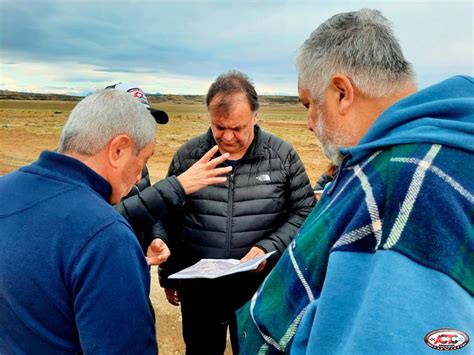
x: 331, y: 151
x: 331, y: 144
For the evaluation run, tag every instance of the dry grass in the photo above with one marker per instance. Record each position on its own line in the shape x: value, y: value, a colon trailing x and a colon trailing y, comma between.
x: 27, y: 127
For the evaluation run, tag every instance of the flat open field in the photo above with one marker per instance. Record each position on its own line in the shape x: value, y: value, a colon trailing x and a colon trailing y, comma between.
x: 29, y: 127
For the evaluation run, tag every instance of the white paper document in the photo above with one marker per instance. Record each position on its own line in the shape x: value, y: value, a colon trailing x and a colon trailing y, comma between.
x: 213, y: 268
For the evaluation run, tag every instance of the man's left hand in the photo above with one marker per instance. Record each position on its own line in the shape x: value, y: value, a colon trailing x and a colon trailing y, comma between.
x: 157, y: 253
x: 254, y: 252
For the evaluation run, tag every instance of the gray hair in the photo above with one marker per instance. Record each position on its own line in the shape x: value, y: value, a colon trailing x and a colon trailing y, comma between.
x: 358, y: 44
x: 100, y: 117
x: 230, y: 83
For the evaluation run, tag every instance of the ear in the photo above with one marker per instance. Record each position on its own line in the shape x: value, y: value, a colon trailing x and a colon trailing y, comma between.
x: 343, y: 93
x: 255, y: 118
x: 120, y: 147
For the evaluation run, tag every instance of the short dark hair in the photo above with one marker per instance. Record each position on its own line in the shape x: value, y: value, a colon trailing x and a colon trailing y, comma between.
x: 230, y: 83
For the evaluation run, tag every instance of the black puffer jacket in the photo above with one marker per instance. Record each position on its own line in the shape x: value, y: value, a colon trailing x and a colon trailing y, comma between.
x: 144, y: 236
x: 140, y: 185
x: 263, y: 203
x: 146, y: 204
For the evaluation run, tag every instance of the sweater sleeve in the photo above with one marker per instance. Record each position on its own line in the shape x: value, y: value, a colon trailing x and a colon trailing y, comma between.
x: 110, y: 286
x: 398, y: 243
x: 386, y: 299
x: 300, y: 199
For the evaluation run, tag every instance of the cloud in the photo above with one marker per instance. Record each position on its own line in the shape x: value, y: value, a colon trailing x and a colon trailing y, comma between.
x: 180, y: 43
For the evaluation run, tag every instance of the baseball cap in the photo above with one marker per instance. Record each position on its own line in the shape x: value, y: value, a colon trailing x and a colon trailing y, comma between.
x: 160, y: 116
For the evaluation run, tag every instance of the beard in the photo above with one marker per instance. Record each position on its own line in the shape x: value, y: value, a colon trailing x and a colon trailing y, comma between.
x: 331, y: 140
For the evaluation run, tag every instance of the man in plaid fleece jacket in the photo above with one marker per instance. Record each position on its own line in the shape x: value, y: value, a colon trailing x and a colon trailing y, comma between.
x: 386, y: 256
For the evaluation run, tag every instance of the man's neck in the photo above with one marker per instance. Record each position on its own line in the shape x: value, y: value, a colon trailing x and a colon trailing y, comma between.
x: 237, y: 156
x: 94, y: 162
x: 369, y: 109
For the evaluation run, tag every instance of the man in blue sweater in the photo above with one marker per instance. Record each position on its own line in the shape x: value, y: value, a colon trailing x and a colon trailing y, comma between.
x: 73, y: 278
x: 384, y: 263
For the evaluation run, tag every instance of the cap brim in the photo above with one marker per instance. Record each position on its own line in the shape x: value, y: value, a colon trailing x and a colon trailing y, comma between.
x: 161, y: 117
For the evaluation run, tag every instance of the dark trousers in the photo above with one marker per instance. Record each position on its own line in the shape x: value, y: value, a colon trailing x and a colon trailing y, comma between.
x: 206, y: 332
x: 208, y: 310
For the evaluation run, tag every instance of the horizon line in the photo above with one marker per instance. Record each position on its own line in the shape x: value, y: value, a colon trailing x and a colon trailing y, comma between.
x: 146, y: 93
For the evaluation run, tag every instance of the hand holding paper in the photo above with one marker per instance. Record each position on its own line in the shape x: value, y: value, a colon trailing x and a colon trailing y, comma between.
x: 214, y: 268
x: 253, y: 253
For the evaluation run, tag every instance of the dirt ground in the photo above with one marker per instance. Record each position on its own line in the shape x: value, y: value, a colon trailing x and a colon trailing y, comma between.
x: 29, y: 127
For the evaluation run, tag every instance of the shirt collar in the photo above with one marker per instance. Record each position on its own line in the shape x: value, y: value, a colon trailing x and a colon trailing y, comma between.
x: 65, y: 168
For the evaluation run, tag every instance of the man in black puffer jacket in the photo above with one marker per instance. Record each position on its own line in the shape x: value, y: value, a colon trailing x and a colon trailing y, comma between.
x: 259, y: 209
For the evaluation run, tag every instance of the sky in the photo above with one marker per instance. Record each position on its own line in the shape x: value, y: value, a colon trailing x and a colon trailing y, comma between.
x: 180, y: 47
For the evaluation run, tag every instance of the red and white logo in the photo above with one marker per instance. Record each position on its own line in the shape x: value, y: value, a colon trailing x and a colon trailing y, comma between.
x: 137, y: 93
x: 446, y: 339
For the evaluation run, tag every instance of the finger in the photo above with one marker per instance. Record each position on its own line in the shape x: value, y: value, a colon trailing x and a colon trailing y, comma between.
x: 251, y: 254
x: 157, y: 260
x: 154, y: 261
x: 245, y: 258
x: 153, y: 253
x: 172, y: 298
x: 151, y: 261
x: 174, y: 302
x: 219, y: 171
x: 158, y: 244
x: 219, y: 160
x: 210, y: 153
x: 212, y: 181
x: 158, y: 249
x: 154, y: 250
x: 261, y: 266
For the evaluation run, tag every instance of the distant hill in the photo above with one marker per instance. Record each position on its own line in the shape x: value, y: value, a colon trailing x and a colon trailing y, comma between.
x: 14, y: 95
x: 201, y: 99
x: 152, y: 98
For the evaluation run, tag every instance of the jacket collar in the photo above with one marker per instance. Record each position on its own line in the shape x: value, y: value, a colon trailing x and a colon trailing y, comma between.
x: 65, y: 168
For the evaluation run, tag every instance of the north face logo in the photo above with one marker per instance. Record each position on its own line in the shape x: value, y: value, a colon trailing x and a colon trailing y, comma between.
x: 263, y: 177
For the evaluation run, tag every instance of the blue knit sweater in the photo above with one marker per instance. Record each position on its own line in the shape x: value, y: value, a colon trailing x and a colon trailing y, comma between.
x: 73, y: 277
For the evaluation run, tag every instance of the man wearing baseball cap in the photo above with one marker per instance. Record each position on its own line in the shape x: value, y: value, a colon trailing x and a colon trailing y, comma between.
x: 165, y: 194
x: 161, y: 117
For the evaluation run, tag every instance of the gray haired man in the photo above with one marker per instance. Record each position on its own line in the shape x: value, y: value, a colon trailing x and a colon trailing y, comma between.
x: 73, y: 276
x: 390, y: 242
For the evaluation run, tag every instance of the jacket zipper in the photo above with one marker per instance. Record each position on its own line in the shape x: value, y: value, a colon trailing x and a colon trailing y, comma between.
x: 229, y: 212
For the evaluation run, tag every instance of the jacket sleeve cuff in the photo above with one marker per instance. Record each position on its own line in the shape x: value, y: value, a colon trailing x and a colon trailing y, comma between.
x: 267, y: 246
x: 178, y: 188
x: 164, y: 281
